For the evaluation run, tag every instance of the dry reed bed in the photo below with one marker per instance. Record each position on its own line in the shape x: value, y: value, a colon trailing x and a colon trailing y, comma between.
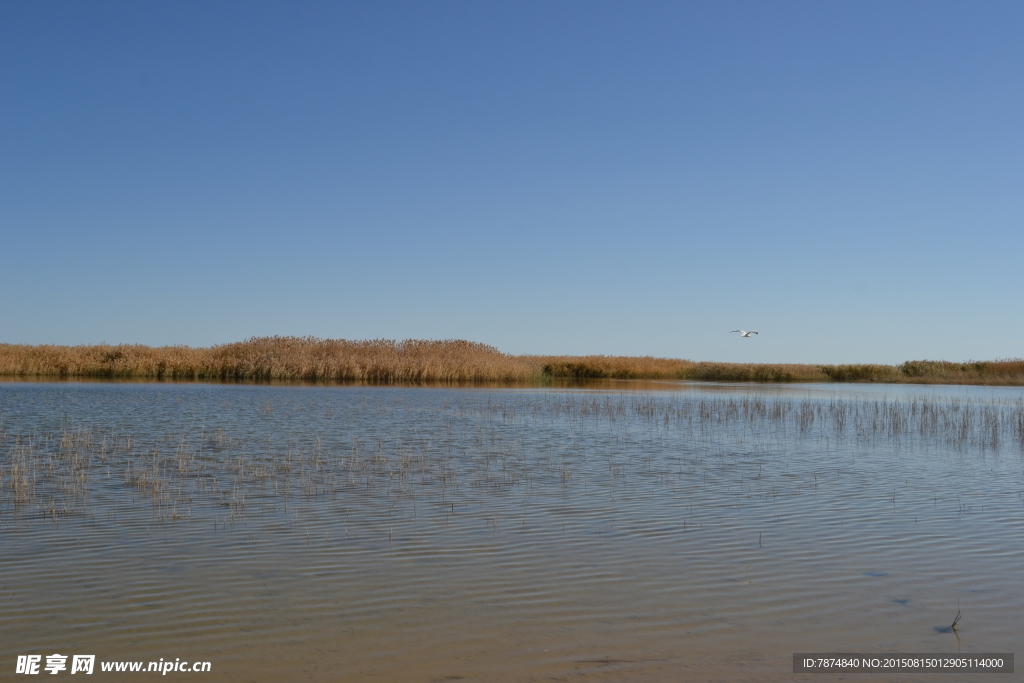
x: 273, y: 358
x: 1000, y: 372
x: 612, y: 367
x: 81, y: 471
x: 388, y: 361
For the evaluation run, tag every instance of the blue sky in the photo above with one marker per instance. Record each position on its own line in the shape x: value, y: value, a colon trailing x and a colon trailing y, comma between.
x: 618, y: 178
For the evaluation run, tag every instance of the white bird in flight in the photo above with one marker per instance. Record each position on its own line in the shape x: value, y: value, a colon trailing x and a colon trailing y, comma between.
x: 744, y: 333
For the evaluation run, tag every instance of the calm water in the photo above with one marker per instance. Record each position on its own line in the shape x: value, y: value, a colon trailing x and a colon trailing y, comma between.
x: 652, y: 532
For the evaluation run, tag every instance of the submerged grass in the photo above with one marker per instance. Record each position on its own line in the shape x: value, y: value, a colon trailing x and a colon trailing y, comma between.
x: 473, y: 450
x: 410, y: 361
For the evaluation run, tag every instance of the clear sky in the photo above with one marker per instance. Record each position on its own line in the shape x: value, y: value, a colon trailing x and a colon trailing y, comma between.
x: 548, y: 177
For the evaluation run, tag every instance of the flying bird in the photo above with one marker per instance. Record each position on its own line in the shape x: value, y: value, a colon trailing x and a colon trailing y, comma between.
x: 744, y: 333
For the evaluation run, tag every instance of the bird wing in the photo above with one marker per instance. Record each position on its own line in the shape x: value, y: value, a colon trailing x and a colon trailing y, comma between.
x: 731, y: 331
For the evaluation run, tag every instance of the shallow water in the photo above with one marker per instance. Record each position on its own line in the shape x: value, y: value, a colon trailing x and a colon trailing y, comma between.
x: 651, y: 532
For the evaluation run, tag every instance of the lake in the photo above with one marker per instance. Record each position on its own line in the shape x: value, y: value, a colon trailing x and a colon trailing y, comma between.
x: 617, y: 531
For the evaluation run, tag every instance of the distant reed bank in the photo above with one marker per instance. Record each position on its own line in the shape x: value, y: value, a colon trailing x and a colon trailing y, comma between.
x: 389, y: 361
x: 1001, y: 372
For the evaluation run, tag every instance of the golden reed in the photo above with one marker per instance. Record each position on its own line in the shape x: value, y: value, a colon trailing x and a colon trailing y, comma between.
x: 388, y: 361
x: 273, y: 358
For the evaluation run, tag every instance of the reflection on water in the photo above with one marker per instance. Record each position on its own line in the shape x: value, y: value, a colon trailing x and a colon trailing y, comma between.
x: 607, y: 532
